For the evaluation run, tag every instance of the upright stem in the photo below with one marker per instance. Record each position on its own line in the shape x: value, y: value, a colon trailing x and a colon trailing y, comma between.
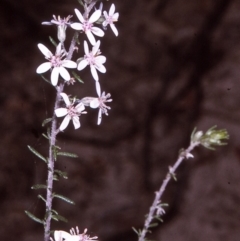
x: 50, y: 165
x: 160, y: 192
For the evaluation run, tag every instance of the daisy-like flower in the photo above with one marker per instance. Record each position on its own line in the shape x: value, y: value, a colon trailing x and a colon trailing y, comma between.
x: 98, y: 103
x: 71, y: 112
x: 60, y: 235
x: 86, y: 25
x: 94, y: 59
x: 111, y: 17
x: 55, y: 62
x: 62, y: 24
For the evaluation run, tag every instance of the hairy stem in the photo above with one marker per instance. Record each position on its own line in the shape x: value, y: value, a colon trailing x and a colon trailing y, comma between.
x: 161, y: 190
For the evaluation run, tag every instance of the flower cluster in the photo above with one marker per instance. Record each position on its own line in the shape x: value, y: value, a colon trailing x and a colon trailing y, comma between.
x: 92, y: 25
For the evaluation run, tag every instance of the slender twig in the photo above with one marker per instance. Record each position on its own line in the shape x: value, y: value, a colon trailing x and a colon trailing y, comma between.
x: 160, y: 192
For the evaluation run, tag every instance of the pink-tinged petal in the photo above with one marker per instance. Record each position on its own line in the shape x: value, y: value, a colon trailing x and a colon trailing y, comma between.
x: 77, y: 125
x: 97, y: 31
x: 94, y: 103
x: 105, y: 14
x: 46, y: 52
x: 79, y: 15
x: 44, y: 67
x: 114, y: 29
x: 115, y: 17
x: 65, y: 123
x: 98, y: 88
x: 90, y: 37
x: 80, y: 107
x: 61, y: 112
x: 96, y: 47
x: 94, y: 73
x: 54, y: 76
x: 86, y: 49
x: 105, y: 23
x: 101, y: 68
x: 66, y: 99
x: 95, y: 16
x: 112, y: 10
x: 69, y: 64
x: 64, y: 73
x: 61, y: 235
x: 82, y: 64
x: 59, y: 49
x: 99, y: 117
x: 77, y: 26
x: 100, y: 59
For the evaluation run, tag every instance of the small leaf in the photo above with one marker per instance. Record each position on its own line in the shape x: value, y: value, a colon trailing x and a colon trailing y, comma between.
x: 137, y: 232
x: 153, y: 225
x: 64, y: 198
x: 67, y: 154
x: 46, y: 121
x: 61, y: 174
x: 54, y: 211
x: 77, y: 77
x: 55, y: 177
x: 37, y: 154
x: 34, y: 218
x: 45, y: 136
x: 39, y: 186
x: 53, y: 41
x: 59, y: 218
x: 41, y: 197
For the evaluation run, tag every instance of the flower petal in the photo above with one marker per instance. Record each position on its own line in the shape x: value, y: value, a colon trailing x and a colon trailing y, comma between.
x: 62, y: 235
x: 100, y: 59
x: 101, y: 68
x: 90, y: 37
x: 59, y: 49
x: 94, y: 103
x: 112, y: 10
x: 66, y: 99
x: 77, y: 125
x: 44, y: 67
x: 86, y: 49
x: 69, y: 64
x: 98, y: 88
x: 77, y: 26
x: 46, y: 52
x: 97, y: 31
x: 54, y: 76
x: 80, y: 107
x: 65, y: 123
x: 96, y: 47
x: 94, y: 72
x: 64, y: 73
x: 82, y: 64
x: 95, y: 16
x: 60, y: 112
x: 79, y: 15
x: 99, y: 117
x: 114, y: 29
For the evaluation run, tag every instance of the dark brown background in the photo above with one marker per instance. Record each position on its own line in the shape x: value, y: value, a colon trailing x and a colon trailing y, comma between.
x: 174, y: 66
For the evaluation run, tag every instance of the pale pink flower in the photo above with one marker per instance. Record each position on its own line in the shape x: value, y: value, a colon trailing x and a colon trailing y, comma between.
x: 93, y: 59
x: 71, y: 112
x: 111, y: 17
x: 86, y: 25
x: 56, y: 63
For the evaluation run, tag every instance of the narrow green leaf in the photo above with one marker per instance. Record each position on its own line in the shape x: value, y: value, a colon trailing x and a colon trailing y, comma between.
x: 33, y: 217
x: 55, y: 177
x: 77, y: 77
x: 67, y: 154
x: 54, y: 211
x: 64, y: 198
x: 43, y: 134
x: 153, y: 225
x: 53, y: 41
x: 41, y: 197
x: 61, y: 174
x: 39, y: 186
x: 37, y: 154
x: 59, y: 218
x: 46, y: 121
x: 135, y: 230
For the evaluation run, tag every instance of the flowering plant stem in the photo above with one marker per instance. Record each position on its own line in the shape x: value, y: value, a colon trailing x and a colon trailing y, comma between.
x: 170, y: 174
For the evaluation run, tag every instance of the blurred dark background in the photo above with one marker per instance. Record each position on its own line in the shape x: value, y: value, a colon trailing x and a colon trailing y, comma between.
x: 174, y: 66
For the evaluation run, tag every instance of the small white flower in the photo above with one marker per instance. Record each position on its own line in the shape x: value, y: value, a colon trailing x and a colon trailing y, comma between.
x: 86, y: 25
x: 60, y: 235
x: 98, y: 103
x: 94, y: 59
x: 71, y: 112
x: 111, y: 17
x: 55, y: 62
